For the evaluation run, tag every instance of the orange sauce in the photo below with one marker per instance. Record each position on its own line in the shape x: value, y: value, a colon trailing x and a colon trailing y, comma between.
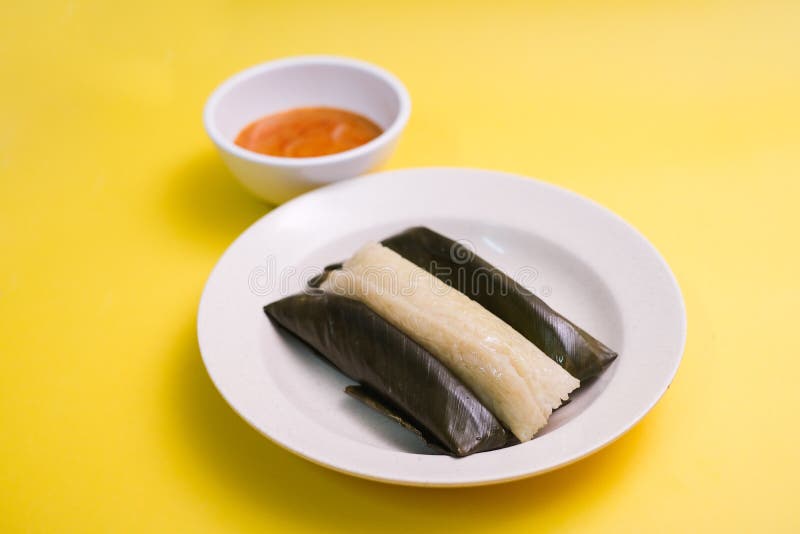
x: 307, y: 132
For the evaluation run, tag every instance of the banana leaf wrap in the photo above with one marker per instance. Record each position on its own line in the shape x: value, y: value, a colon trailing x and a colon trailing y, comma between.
x: 582, y: 355
x: 403, y: 379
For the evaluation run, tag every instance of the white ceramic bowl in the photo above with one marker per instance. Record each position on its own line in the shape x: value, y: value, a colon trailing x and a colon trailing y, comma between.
x: 299, y: 82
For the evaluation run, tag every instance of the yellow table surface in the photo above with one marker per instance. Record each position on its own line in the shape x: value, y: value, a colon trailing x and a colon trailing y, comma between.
x: 683, y: 117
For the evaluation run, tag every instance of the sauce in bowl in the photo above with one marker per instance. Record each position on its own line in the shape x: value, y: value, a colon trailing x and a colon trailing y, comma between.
x: 307, y: 132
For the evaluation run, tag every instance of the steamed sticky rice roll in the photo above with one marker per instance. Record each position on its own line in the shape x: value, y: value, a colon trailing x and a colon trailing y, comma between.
x: 513, y: 378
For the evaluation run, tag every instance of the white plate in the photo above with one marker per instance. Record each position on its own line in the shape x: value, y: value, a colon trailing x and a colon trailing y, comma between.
x: 582, y: 259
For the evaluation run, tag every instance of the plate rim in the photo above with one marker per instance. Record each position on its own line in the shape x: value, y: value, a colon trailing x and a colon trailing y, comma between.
x: 532, y: 181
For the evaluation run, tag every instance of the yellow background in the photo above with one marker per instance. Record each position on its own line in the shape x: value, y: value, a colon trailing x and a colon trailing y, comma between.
x: 683, y: 117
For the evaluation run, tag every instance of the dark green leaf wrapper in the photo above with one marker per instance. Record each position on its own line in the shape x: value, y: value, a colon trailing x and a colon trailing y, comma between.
x: 398, y: 377
x: 579, y: 353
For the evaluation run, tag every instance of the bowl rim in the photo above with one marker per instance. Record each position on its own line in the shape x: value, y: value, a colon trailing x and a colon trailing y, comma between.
x: 245, y: 75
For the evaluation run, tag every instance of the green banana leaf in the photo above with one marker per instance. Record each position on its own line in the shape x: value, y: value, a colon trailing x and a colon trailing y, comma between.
x: 583, y: 356
x: 397, y: 376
